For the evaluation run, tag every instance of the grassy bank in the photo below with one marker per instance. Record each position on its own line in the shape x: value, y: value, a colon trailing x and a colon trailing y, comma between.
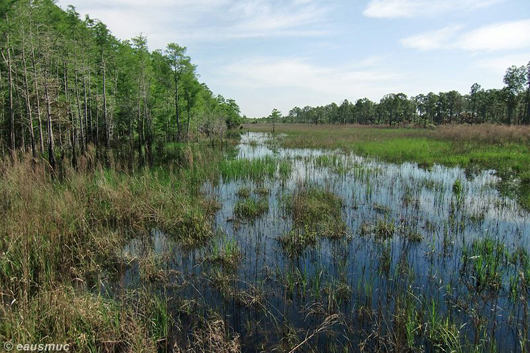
x: 502, y: 148
x: 61, y: 241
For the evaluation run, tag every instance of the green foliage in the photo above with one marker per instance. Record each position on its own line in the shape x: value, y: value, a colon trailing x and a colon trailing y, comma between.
x: 112, y: 94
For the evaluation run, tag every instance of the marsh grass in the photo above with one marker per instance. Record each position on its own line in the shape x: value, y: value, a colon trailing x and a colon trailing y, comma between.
x: 316, y: 212
x: 254, y: 169
x: 251, y: 208
x: 243, y: 192
x: 60, y: 237
x: 493, y: 267
x: 502, y: 148
x: 85, y: 321
x: 226, y: 251
x: 317, y: 209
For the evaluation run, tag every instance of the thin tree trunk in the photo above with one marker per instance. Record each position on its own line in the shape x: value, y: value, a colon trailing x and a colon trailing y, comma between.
x: 39, y: 118
x: 28, y: 105
x: 177, y: 106
x: 70, y: 114
x: 188, y: 126
x: 7, y: 59
x: 105, y: 114
x: 79, y: 116
x: 51, y: 156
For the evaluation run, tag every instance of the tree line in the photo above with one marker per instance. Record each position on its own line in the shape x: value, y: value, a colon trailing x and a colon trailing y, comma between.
x: 509, y: 105
x: 68, y: 85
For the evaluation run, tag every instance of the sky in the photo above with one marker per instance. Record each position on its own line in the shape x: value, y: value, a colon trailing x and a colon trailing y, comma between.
x: 270, y: 54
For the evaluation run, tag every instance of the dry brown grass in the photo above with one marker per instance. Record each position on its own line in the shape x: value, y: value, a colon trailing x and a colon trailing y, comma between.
x: 484, y: 133
x: 81, y: 320
x: 328, y: 136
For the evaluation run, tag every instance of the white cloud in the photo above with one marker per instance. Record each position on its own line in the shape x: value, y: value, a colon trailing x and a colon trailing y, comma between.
x: 300, y: 73
x: 432, y: 40
x: 507, y: 35
x: 498, y: 36
x: 422, y: 8
x: 266, y: 82
x: 183, y: 21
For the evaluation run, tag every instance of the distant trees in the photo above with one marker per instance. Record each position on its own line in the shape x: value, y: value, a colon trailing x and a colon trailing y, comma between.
x: 510, y: 105
x: 67, y: 83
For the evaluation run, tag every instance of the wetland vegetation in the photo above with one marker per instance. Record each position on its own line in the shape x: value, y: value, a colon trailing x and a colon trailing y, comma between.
x: 136, y: 216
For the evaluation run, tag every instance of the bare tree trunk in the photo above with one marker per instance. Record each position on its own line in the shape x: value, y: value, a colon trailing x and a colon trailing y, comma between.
x: 79, y: 116
x: 41, y: 137
x: 7, y: 59
x: 188, y: 109
x: 105, y: 114
x: 28, y: 104
x: 149, y: 133
x: 51, y: 156
x: 70, y: 114
x: 177, y: 106
x: 140, y: 133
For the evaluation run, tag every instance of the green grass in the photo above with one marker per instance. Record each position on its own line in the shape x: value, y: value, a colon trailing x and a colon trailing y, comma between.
x: 318, y: 210
x: 501, y: 148
x: 226, y: 251
x: 255, y: 169
x: 251, y: 208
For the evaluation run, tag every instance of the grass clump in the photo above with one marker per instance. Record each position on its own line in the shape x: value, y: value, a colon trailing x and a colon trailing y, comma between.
x: 297, y: 240
x: 251, y: 208
x: 382, y: 230
x: 413, y: 237
x: 262, y: 191
x: 318, y: 210
x: 485, y: 260
x: 243, y: 192
x: 255, y: 169
x: 226, y: 251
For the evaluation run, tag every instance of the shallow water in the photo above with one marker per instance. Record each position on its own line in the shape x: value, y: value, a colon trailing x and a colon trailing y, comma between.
x: 357, y: 274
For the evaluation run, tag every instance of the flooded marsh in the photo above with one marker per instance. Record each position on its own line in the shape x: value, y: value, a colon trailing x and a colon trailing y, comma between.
x: 326, y: 251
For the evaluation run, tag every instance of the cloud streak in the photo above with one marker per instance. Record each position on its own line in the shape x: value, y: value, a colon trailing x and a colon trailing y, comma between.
x: 365, y: 78
x: 422, y: 8
x: 498, y: 36
x: 208, y: 20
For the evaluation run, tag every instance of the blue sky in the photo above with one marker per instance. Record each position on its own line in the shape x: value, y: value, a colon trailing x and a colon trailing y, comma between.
x: 269, y: 54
